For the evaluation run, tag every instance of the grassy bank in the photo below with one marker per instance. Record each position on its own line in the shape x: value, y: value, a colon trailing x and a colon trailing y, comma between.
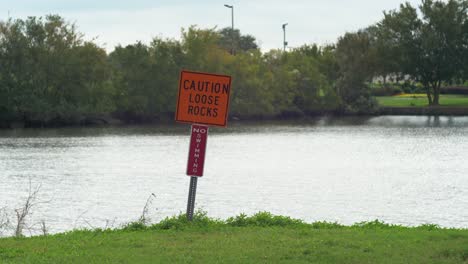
x: 262, y: 238
x: 420, y: 100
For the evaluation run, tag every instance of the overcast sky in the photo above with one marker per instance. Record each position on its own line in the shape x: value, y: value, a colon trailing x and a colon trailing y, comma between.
x: 123, y: 22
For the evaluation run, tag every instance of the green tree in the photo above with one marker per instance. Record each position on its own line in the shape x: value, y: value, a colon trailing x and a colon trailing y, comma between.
x: 251, y: 93
x: 13, y: 47
x: 228, y: 37
x: 385, y: 54
x: 431, y: 47
x: 90, y: 82
x: 356, y: 68
x: 167, y: 60
x: 323, y: 75
x: 202, y: 52
x: 132, y: 79
x: 47, y: 72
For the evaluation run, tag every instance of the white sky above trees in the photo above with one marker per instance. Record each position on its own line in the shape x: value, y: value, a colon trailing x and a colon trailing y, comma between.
x: 125, y: 22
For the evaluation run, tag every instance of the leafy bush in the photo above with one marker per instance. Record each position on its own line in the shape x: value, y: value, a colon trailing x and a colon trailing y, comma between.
x: 200, y: 219
x: 240, y: 220
x: 326, y: 225
x: 174, y: 222
x: 390, y: 90
x: 135, y: 226
x: 260, y: 219
x: 263, y: 219
x: 363, y: 105
x: 429, y: 227
x: 376, y: 224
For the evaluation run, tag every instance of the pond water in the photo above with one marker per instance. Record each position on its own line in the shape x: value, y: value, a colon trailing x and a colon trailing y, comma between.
x: 400, y: 169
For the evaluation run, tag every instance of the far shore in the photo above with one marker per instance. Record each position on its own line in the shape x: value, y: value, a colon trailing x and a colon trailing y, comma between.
x: 113, y: 120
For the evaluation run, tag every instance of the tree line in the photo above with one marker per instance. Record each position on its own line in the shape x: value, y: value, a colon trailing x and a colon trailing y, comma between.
x: 50, y: 74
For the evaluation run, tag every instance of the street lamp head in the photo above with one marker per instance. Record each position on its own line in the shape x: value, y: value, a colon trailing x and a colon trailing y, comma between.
x: 228, y: 6
x: 284, y: 25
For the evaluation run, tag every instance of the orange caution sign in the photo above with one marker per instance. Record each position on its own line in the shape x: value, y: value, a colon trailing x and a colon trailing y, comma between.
x: 203, y: 98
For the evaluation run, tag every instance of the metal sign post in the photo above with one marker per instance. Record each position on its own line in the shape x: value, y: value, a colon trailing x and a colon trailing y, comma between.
x: 191, y: 197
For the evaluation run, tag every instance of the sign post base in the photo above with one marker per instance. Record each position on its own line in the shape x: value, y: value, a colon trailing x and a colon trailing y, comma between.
x: 191, y: 197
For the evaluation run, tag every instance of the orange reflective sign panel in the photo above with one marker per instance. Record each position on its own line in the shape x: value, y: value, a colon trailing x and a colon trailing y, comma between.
x: 203, y: 98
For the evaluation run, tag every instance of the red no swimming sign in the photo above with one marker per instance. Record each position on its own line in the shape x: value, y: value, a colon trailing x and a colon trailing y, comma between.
x: 196, y: 158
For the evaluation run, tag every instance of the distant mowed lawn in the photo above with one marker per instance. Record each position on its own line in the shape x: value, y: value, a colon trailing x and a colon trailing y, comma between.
x: 420, y: 100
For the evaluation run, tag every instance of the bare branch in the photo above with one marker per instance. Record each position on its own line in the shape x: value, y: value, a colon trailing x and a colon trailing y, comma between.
x: 26, y: 209
x: 78, y: 218
x: 44, y: 229
x: 4, y: 220
x: 144, y: 215
x: 109, y: 223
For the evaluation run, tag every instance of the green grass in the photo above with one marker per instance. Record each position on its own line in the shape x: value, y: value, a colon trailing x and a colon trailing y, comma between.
x: 445, y: 100
x: 262, y: 238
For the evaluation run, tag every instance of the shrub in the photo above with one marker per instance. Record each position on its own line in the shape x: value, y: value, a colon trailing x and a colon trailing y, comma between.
x: 363, y: 105
x: 429, y: 227
x: 134, y: 226
x: 376, y: 224
x: 326, y: 225
x: 263, y: 219
x: 200, y: 219
x: 240, y: 220
x: 389, y: 91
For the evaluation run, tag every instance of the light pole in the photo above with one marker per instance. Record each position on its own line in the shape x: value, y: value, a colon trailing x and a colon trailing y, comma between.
x: 285, y: 43
x: 232, y: 27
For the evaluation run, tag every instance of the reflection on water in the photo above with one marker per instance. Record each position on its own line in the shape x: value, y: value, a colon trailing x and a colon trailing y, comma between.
x: 400, y: 169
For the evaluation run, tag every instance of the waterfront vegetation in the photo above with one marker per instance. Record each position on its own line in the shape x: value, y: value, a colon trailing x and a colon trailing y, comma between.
x: 50, y: 75
x: 261, y: 238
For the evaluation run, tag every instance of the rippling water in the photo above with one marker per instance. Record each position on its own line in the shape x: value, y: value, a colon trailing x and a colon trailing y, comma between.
x: 402, y: 170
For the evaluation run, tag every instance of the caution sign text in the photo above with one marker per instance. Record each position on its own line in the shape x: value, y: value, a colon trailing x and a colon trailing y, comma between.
x: 203, y: 98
